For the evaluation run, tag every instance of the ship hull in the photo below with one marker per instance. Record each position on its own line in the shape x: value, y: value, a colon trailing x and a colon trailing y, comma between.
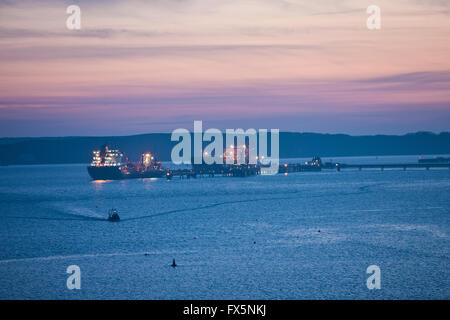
x: 105, y: 173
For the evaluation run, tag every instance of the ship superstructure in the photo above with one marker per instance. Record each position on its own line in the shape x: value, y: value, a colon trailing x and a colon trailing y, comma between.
x: 108, y: 164
x: 106, y: 157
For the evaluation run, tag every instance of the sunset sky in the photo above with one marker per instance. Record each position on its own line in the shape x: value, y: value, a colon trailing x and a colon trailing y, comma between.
x: 154, y: 66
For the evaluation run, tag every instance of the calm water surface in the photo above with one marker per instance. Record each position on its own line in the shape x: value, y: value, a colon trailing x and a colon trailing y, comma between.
x: 232, y: 238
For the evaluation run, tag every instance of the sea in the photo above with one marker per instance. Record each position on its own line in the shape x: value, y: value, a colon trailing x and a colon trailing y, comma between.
x: 307, y: 235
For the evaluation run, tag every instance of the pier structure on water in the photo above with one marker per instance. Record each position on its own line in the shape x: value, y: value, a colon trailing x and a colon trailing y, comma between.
x: 316, y: 164
x: 421, y: 164
x: 108, y: 164
x: 403, y: 166
x: 204, y: 170
x: 240, y: 170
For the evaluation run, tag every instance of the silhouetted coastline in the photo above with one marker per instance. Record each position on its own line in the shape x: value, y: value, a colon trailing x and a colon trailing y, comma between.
x: 67, y: 150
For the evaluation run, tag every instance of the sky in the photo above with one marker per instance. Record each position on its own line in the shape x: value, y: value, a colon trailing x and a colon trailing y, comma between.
x: 155, y: 66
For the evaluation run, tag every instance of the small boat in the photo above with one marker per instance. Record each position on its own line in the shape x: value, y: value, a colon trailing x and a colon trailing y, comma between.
x: 113, y: 215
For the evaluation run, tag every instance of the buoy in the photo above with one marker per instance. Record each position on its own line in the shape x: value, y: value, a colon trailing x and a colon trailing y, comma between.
x: 319, y: 230
x: 173, y: 263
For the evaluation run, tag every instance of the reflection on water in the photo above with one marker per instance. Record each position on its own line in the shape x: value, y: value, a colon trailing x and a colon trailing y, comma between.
x: 98, y: 184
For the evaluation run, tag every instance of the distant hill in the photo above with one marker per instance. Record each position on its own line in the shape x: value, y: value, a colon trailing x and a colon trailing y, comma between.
x: 292, y: 145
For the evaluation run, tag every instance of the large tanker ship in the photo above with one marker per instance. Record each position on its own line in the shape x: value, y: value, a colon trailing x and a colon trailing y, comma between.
x: 108, y: 164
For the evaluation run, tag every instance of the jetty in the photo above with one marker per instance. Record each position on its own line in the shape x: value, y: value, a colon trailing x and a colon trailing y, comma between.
x: 404, y: 166
x: 315, y: 165
x: 242, y: 170
x: 109, y: 164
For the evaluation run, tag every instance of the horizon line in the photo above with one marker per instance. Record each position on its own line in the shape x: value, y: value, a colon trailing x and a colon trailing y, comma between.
x: 168, y: 133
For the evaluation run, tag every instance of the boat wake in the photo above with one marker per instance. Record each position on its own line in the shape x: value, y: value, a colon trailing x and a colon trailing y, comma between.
x: 78, y: 213
x: 65, y: 213
x: 205, y: 207
x: 92, y: 255
x: 70, y: 213
x: 293, y: 195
